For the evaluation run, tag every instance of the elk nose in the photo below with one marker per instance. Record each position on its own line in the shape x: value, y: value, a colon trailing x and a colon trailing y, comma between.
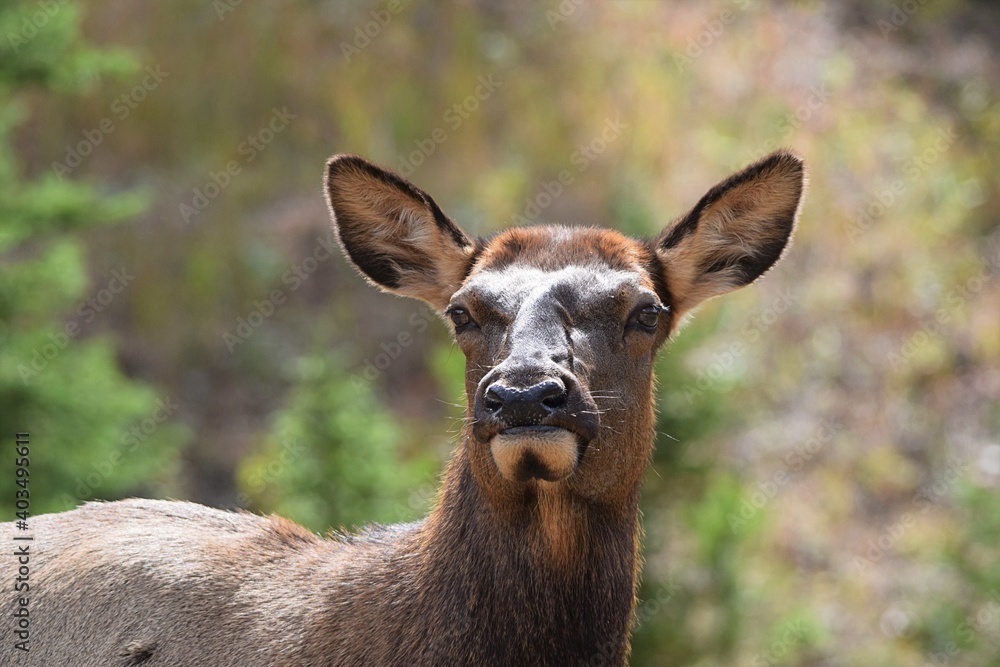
x: 525, y: 406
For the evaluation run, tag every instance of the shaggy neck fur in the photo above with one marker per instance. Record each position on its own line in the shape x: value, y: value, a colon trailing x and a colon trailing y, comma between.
x: 528, y: 604
x: 475, y: 585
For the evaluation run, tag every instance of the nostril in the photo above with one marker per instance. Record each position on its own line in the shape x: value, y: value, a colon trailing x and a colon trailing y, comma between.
x: 556, y: 400
x: 492, y: 399
x: 551, y: 393
x: 500, y: 394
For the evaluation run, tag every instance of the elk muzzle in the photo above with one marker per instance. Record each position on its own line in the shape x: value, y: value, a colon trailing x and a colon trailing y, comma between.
x: 535, y: 429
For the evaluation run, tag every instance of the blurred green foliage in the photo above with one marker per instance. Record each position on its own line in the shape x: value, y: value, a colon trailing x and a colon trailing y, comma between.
x: 62, y: 387
x: 825, y: 493
x: 332, y: 460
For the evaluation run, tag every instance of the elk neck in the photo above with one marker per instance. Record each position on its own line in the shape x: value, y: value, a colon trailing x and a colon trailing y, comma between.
x: 568, y: 565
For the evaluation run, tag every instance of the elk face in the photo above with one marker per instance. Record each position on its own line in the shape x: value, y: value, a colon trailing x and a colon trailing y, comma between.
x: 560, y: 325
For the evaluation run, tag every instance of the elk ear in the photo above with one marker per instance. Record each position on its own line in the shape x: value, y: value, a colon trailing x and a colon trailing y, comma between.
x: 394, y: 233
x: 738, y: 230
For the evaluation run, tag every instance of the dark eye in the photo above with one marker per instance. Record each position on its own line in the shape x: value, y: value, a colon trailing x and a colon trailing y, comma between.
x: 459, y: 317
x: 648, y: 316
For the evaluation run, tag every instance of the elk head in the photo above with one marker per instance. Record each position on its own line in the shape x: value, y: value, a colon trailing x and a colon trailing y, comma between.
x: 560, y: 325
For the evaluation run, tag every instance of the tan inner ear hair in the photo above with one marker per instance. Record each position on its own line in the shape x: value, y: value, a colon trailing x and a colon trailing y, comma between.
x: 738, y: 225
x: 450, y: 262
x: 399, y: 226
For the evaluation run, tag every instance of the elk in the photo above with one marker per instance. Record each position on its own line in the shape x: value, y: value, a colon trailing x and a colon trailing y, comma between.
x: 531, y: 553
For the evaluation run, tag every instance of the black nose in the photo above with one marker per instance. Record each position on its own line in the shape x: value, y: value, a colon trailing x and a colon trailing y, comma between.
x: 525, y: 406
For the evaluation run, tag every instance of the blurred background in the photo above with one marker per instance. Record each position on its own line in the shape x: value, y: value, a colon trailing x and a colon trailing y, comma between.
x: 174, y: 323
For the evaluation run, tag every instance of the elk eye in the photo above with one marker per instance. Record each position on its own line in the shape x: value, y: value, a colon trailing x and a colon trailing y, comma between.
x: 648, y: 316
x: 459, y: 317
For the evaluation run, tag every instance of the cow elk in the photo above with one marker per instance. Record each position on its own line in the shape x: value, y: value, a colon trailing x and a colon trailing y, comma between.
x: 531, y: 554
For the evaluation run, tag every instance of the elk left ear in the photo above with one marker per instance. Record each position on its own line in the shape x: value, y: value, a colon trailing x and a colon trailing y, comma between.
x: 738, y: 230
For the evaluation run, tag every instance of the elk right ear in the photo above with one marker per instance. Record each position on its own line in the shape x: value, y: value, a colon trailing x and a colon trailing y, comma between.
x: 394, y: 233
x: 738, y: 230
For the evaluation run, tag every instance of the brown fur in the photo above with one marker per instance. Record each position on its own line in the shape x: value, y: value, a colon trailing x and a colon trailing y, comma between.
x: 550, y: 248
x: 505, y: 570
